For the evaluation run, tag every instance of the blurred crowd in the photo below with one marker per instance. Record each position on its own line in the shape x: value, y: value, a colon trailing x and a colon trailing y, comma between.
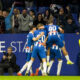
x: 19, y: 20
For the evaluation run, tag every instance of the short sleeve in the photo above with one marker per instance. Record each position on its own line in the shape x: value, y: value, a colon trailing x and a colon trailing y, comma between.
x: 31, y: 36
x: 35, y: 34
x: 45, y: 27
x: 58, y: 27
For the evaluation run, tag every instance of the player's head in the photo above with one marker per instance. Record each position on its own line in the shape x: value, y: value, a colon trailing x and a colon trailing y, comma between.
x: 50, y: 21
x: 39, y: 25
x: 32, y: 28
x: 9, y: 50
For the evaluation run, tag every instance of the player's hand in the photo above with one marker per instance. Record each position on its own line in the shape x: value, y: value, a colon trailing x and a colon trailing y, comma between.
x: 42, y: 33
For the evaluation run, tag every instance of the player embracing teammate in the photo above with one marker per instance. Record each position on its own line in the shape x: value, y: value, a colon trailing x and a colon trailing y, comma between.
x: 45, y: 37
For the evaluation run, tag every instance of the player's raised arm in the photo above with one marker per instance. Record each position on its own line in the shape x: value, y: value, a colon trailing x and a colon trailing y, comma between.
x: 61, y: 30
x: 39, y: 36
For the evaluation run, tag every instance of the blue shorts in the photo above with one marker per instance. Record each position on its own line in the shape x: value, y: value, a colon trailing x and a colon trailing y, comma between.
x: 28, y: 57
x: 55, y: 54
x: 28, y: 49
x: 54, y: 39
x: 62, y: 37
x: 40, y: 50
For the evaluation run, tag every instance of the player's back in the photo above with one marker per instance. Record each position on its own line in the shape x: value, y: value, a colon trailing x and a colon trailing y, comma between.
x: 52, y: 29
x: 29, y: 39
x: 42, y: 39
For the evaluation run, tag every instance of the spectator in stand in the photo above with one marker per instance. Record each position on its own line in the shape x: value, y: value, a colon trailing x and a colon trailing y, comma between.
x: 61, y: 17
x: 8, y: 63
x: 47, y: 15
x: 54, y: 8
x: 7, y: 17
x: 70, y: 26
x: 25, y: 22
x: 39, y: 20
x: 2, y: 23
x: 15, y: 23
x: 68, y: 10
x: 32, y: 14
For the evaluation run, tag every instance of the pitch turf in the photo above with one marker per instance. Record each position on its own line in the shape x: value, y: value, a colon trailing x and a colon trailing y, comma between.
x: 40, y: 78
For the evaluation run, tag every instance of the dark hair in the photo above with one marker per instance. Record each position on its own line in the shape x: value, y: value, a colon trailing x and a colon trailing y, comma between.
x: 33, y: 11
x: 69, y: 18
x: 24, y: 9
x: 38, y: 15
x: 49, y: 13
x: 32, y: 27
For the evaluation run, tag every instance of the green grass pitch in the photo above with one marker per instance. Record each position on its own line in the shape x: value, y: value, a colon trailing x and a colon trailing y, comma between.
x: 40, y: 78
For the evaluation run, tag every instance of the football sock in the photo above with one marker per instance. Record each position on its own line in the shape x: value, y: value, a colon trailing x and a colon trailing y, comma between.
x: 48, y: 58
x: 23, y: 68
x: 44, y: 67
x: 59, y: 67
x: 31, y: 70
x: 29, y: 65
x: 49, y: 68
x: 67, y: 57
x: 40, y: 66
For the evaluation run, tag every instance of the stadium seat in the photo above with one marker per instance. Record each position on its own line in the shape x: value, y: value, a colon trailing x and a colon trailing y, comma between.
x: 75, y: 17
x: 42, y: 9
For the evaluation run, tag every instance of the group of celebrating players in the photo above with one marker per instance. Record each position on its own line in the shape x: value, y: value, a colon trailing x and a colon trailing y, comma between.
x: 46, y: 42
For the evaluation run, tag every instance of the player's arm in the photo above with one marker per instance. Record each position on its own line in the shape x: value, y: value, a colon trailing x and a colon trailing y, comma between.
x: 46, y: 40
x: 31, y: 47
x: 61, y: 30
x: 42, y: 27
x: 39, y: 36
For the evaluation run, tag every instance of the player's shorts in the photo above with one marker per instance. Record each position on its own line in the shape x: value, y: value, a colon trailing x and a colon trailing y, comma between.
x: 53, y: 39
x: 55, y: 54
x: 28, y: 49
x: 40, y: 50
x: 28, y: 57
x: 39, y: 58
x: 61, y: 37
